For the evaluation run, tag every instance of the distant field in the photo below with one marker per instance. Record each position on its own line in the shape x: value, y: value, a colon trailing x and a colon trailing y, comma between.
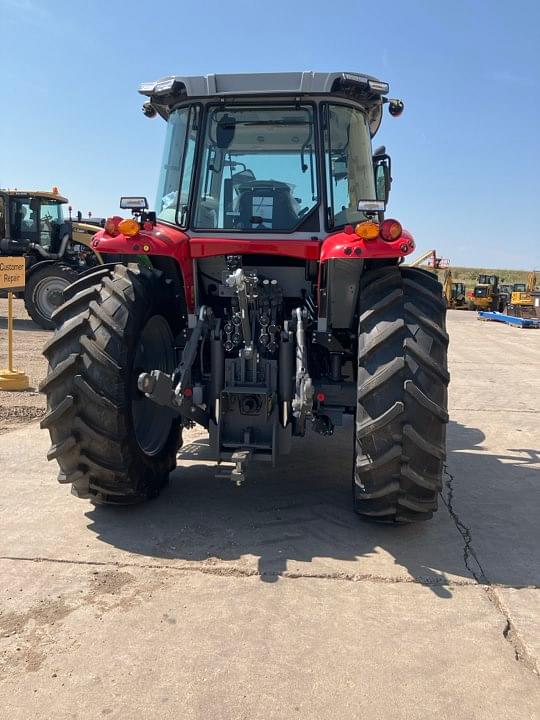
x: 468, y: 275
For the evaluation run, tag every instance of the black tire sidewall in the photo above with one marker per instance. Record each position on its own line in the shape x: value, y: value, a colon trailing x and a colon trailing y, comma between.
x: 50, y: 271
x: 160, y: 305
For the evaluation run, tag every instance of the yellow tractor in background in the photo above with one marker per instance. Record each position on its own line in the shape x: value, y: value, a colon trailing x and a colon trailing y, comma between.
x: 522, y: 301
x: 56, y: 250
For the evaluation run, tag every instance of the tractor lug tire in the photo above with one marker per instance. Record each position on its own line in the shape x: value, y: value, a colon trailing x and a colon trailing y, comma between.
x: 91, y: 385
x: 402, y: 395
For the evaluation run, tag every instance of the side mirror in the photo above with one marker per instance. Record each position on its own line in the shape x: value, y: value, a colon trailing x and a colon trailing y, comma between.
x: 133, y: 203
x: 383, y: 176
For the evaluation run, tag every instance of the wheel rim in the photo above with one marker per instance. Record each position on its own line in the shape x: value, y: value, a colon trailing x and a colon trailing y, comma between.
x: 155, y: 351
x: 48, y: 295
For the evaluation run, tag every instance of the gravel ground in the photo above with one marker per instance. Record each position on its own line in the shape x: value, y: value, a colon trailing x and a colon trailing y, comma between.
x: 17, y: 408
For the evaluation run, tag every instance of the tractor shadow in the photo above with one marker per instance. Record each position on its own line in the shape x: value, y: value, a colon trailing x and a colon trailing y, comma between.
x: 298, y: 519
x: 20, y: 324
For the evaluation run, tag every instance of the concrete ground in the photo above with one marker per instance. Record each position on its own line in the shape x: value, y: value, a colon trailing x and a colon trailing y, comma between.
x: 273, y: 600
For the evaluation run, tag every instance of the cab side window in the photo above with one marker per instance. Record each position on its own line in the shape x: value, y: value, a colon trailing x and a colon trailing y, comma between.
x: 177, y: 166
x: 348, y: 163
x: 23, y: 219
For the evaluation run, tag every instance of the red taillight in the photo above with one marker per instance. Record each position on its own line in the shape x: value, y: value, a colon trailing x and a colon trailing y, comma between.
x: 390, y: 230
x: 321, y: 397
x: 111, y: 225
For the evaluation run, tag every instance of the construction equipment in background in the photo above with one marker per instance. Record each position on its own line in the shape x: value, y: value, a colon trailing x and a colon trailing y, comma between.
x: 437, y: 263
x: 56, y: 251
x: 454, y: 292
x: 505, y: 294
x: 486, y: 294
x: 512, y: 320
x: 522, y: 302
x: 459, y: 299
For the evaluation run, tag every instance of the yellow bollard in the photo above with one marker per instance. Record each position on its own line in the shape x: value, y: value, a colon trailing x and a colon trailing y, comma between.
x: 12, y: 271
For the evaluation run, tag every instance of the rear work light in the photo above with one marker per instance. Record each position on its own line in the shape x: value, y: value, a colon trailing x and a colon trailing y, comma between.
x: 391, y: 230
x: 367, y: 230
x: 129, y: 227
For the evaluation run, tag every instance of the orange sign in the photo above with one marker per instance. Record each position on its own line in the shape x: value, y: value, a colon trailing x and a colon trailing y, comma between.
x: 12, y: 272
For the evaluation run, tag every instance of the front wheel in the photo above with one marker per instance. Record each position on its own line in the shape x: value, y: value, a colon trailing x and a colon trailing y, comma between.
x: 44, y: 290
x: 113, y: 445
x: 402, y: 395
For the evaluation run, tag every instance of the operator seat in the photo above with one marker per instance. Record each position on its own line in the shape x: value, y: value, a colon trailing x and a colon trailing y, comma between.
x: 267, y: 204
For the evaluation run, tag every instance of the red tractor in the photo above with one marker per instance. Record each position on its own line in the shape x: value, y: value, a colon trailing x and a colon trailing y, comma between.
x: 264, y: 296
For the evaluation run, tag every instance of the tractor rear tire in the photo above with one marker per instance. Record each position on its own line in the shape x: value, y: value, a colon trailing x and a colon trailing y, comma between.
x: 402, y: 395
x: 43, y: 292
x: 112, y: 444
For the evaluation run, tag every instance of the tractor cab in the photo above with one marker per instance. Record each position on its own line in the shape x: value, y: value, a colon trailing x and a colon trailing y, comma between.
x: 270, y: 154
x: 259, y: 168
x: 458, y: 291
x: 29, y: 219
x: 491, y: 280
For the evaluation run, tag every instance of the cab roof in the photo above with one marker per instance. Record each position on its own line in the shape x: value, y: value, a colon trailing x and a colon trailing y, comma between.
x: 295, y: 83
x: 35, y: 193
x: 367, y: 90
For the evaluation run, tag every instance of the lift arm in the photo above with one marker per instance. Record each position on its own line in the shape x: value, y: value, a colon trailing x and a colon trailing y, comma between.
x: 420, y: 260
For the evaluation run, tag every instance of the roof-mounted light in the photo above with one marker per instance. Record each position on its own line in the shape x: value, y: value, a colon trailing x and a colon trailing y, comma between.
x: 167, y: 86
x: 147, y: 88
x: 163, y: 86
x: 379, y: 87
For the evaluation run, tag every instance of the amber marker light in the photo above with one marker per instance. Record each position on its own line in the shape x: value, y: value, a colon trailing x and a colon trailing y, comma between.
x: 129, y: 227
x: 391, y: 230
x: 367, y: 230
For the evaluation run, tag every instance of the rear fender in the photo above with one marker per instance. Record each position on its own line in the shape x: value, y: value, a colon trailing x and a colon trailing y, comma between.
x: 341, y: 265
x: 41, y: 264
x: 338, y: 293
x: 161, y: 240
x: 347, y: 245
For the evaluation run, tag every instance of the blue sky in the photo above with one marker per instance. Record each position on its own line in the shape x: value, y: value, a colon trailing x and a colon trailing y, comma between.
x: 465, y: 153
